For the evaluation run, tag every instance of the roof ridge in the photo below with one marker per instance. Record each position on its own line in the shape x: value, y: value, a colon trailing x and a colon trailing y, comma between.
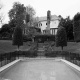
x: 53, y: 17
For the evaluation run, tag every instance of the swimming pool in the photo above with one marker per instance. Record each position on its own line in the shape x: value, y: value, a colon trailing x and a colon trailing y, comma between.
x: 41, y: 69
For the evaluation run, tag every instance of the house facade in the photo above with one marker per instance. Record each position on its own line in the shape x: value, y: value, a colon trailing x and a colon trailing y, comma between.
x: 54, y: 22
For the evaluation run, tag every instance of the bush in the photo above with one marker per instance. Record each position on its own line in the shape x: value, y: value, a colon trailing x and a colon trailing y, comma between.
x: 26, y: 38
x: 61, y: 37
x: 30, y: 53
x: 17, y: 37
x: 1, y: 57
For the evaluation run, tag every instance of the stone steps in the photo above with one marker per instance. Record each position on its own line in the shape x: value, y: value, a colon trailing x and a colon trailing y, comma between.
x: 41, y: 50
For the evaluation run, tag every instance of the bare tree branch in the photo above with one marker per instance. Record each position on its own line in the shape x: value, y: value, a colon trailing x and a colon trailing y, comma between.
x: 1, y: 19
x: 1, y: 15
x: 1, y: 6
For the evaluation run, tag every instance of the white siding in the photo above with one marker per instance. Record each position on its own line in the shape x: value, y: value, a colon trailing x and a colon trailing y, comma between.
x: 43, y: 26
x: 51, y: 31
x: 53, y: 24
x: 56, y: 31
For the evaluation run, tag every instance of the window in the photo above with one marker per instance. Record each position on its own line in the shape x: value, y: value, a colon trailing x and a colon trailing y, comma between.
x: 46, y: 23
x: 51, y: 31
x: 41, y: 24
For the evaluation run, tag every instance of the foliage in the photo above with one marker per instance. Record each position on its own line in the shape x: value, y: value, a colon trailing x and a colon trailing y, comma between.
x: 17, y: 37
x: 57, y: 54
x: 61, y: 38
x: 67, y: 23
x: 21, y: 14
x: 5, y: 31
x: 1, y: 14
x: 32, y: 31
x: 67, y: 55
x: 76, y: 27
x: 17, y: 13
x: 5, y: 28
x: 44, y: 38
x: 12, y: 24
x: 31, y: 13
x: 76, y: 17
x: 69, y: 29
x: 27, y: 18
x: 26, y: 38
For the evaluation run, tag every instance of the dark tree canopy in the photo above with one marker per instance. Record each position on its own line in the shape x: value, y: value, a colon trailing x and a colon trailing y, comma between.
x: 21, y: 14
x: 17, y: 14
x: 5, y: 31
x: 27, y: 18
x: 67, y: 23
x: 77, y: 17
x: 17, y: 11
x: 76, y: 27
x: 5, y: 28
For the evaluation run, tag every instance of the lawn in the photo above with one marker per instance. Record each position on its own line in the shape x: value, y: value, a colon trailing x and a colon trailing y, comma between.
x: 6, y: 46
x: 71, y: 47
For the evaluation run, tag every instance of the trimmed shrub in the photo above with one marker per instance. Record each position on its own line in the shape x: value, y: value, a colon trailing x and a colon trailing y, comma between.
x: 18, y: 37
x: 61, y: 37
x: 26, y: 38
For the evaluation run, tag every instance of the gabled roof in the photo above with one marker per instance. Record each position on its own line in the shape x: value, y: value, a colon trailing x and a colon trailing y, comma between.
x: 53, y: 17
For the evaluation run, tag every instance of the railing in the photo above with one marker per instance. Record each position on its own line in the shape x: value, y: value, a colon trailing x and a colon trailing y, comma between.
x: 6, y: 58
x: 11, y: 56
x: 72, y: 57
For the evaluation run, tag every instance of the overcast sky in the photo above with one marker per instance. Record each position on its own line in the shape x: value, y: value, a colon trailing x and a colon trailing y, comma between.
x: 57, y: 7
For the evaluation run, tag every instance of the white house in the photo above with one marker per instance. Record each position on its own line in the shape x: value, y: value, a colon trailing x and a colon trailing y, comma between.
x: 53, y: 24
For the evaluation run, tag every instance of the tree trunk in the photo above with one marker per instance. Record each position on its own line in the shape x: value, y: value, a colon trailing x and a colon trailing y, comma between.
x: 18, y: 47
x: 62, y: 48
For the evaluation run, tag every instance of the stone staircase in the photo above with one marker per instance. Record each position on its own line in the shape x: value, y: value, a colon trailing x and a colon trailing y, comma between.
x: 41, y: 49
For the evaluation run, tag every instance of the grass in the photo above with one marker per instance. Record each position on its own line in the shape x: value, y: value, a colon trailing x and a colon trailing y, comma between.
x: 6, y: 46
x: 71, y: 47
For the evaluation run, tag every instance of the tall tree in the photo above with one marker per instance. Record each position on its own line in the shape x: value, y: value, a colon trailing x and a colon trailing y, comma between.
x: 76, y: 27
x: 17, y: 13
x: 69, y: 28
x: 12, y: 25
x: 21, y: 15
x: 61, y: 38
x: 30, y: 10
x: 67, y: 23
x: 1, y: 15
